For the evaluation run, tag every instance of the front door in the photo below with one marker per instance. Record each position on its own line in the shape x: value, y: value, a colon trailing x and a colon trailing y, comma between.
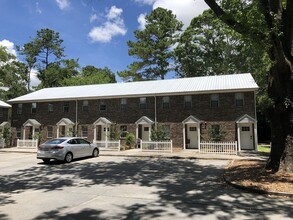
x: 192, y: 136
x: 246, y: 137
x: 145, y: 133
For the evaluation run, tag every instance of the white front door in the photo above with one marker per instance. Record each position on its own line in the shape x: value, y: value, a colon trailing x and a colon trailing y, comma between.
x: 192, y: 136
x: 145, y: 132
x: 246, y: 137
x: 105, y: 132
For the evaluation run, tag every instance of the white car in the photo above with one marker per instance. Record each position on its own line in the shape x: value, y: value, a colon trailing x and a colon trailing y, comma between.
x: 66, y: 149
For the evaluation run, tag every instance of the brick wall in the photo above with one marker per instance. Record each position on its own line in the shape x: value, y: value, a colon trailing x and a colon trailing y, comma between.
x: 225, y: 115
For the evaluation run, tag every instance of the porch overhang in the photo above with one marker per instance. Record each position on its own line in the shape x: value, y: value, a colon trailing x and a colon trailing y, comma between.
x: 102, y: 121
x: 144, y: 120
x: 65, y: 122
x: 31, y: 123
x: 246, y: 119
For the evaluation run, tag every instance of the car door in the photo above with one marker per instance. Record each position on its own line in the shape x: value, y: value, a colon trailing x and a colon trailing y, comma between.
x: 75, y: 148
x: 85, y: 148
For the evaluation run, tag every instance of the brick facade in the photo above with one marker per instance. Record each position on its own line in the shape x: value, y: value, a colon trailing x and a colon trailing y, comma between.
x: 224, y: 115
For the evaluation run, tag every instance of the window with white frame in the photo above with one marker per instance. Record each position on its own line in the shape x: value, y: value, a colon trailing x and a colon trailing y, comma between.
x: 215, y: 100
x: 188, y: 102
x: 18, y: 132
x: 49, y: 131
x: 166, y: 102
x: 85, y: 105
x: 50, y: 107
x: 123, y: 104
x: 34, y: 107
x: 142, y: 103
x: 19, y: 108
x: 123, y: 131
x: 103, y: 106
x: 84, y: 131
x: 239, y: 99
x: 66, y: 107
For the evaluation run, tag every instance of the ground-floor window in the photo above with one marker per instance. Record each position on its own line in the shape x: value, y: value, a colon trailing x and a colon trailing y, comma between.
x: 84, y: 131
x: 18, y: 133
x: 50, y: 131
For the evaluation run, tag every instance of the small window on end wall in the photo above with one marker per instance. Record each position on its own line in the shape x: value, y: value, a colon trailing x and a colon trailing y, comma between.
x: 187, y: 102
x: 142, y: 103
x: 103, y: 106
x: 239, y: 99
x: 215, y: 100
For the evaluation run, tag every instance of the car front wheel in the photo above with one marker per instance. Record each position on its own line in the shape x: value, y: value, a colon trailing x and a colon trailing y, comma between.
x: 95, y: 152
x: 68, y: 157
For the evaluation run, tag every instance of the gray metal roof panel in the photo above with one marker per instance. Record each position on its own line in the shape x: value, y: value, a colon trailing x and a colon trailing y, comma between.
x: 205, y: 84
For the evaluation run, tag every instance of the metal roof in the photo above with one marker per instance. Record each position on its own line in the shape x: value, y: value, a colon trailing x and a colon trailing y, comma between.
x: 194, y: 85
x: 4, y: 105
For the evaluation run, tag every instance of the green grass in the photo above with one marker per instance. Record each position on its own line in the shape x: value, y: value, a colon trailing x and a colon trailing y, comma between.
x: 264, y: 148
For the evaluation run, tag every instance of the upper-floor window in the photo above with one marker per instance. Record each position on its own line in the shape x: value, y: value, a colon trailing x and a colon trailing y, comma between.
x: 85, y: 106
x: 103, y: 106
x: 50, y: 107
x: 19, y: 108
x: 123, y: 104
x: 49, y: 131
x: 239, y: 99
x: 166, y: 102
x: 34, y: 107
x: 142, y: 103
x: 66, y: 107
x: 214, y: 100
x: 188, y: 102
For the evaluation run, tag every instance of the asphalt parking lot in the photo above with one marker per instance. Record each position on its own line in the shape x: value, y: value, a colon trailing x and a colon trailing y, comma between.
x: 111, y: 187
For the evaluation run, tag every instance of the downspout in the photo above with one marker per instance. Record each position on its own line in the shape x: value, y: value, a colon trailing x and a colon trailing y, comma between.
x: 255, y: 124
x: 76, y: 111
x: 156, y: 126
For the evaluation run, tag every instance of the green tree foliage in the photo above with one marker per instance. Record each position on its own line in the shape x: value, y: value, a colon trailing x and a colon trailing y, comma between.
x: 270, y: 24
x: 153, y: 47
x: 13, y: 77
x: 90, y: 75
x: 210, y: 47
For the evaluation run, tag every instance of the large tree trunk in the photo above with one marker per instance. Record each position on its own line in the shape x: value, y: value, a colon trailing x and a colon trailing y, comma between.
x: 280, y: 91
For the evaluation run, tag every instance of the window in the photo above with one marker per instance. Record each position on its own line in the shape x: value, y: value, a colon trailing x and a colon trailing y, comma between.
x: 19, y: 108
x: 166, y: 102
x: 49, y: 131
x: 66, y: 107
x: 187, y: 102
x: 85, y: 106
x: 123, y: 104
x: 246, y: 128
x: 84, y: 131
x: 146, y: 128
x: 239, y: 99
x: 214, y: 100
x: 34, y: 107
x: 192, y: 128
x: 142, y: 103
x: 107, y: 129
x: 123, y: 131
x: 18, y: 133
x: 103, y: 106
x: 50, y: 107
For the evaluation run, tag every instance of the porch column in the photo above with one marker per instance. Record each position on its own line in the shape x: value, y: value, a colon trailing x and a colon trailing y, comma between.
x: 95, y: 133
x: 57, y: 131
x: 33, y: 134
x: 198, y: 136
x: 150, y: 131
x: 23, y: 133
x: 238, y: 136
x: 255, y: 136
x: 136, y: 131
x: 184, y: 141
x: 106, y: 138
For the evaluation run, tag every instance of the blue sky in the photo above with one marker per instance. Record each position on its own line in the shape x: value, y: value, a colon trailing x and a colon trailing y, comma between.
x: 95, y: 31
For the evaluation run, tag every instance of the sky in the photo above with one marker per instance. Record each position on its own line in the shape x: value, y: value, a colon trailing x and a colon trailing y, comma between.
x: 94, y: 31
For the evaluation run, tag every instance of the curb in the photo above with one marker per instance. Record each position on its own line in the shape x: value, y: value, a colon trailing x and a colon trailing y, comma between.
x: 255, y: 190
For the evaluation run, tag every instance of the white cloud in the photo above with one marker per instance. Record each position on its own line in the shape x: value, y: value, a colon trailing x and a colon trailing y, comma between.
x: 38, y: 9
x: 34, y: 79
x: 142, y: 22
x: 9, y: 46
x: 63, y: 4
x: 145, y: 2
x: 113, y: 26
x: 184, y: 10
x: 93, y: 18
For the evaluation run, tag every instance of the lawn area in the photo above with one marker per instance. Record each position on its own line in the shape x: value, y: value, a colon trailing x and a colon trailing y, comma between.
x: 264, y: 148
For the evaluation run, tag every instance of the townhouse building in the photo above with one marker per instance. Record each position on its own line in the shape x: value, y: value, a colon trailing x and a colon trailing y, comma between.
x: 189, y: 110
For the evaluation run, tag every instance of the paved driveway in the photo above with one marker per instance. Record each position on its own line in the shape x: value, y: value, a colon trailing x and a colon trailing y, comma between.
x: 126, y: 188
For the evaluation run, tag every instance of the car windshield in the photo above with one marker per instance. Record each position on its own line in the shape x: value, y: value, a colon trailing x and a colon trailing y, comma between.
x: 56, y: 141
